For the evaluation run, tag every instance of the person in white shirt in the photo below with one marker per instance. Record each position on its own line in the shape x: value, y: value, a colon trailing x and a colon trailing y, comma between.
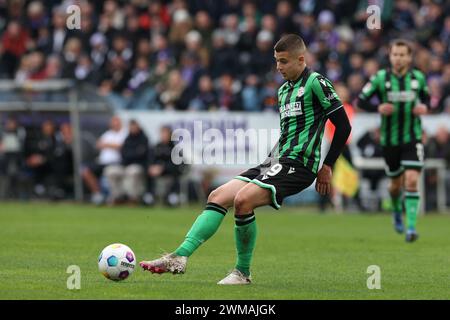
x: 109, y: 145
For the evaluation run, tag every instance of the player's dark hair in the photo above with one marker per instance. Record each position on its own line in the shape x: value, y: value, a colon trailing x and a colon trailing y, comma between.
x: 290, y: 42
x: 401, y: 43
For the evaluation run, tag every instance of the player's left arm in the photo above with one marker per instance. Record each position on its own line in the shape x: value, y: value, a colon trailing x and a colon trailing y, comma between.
x: 423, y: 107
x: 334, y: 110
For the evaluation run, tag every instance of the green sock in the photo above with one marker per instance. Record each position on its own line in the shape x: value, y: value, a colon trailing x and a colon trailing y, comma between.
x: 397, y: 203
x: 245, y: 235
x: 412, y: 200
x: 203, y: 228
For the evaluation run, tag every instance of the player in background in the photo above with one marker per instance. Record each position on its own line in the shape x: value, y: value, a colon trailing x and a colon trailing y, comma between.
x: 403, y: 97
x: 306, y: 101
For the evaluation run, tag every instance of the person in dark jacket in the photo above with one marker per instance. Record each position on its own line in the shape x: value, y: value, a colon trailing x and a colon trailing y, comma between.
x: 161, y: 165
x: 39, y: 155
x: 128, y: 178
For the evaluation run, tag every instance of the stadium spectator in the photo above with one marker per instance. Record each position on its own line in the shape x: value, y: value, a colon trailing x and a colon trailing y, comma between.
x: 437, y: 147
x: 250, y: 94
x: 127, y: 179
x: 161, y: 165
x: 14, y: 43
x: 223, y: 56
x: 11, y: 158
x: 109, y: 146
x: 172, y: 94
x: 39, y: 155
x: 206, y: 98
x: 61, y: 183
x: 370, y: 148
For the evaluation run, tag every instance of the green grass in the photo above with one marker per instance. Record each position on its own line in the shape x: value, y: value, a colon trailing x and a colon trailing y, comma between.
x: 300, y: 254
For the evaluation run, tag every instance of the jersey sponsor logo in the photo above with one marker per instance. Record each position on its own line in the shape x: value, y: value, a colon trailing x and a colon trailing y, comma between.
x: 401, y: 96
x: 291, y: 170
x: 291, y: 109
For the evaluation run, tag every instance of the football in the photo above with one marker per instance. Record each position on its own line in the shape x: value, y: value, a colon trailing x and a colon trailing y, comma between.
x: 117, y: 262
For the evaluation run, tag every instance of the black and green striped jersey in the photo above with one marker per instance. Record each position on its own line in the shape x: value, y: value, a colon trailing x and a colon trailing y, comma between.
x: 304, y: 107
x: 402, y: 126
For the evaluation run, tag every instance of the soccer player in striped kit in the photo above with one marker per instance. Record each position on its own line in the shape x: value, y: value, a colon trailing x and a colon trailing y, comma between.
x: 403, y: 97
x: 306, y: 101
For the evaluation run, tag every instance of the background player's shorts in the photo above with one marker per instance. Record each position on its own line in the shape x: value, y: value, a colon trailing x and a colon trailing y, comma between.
x: 283, y: 179
x: 406, y: 156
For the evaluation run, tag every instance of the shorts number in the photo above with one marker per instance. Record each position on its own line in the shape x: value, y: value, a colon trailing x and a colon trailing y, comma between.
x: 420, y: 152
x: 274, y: 170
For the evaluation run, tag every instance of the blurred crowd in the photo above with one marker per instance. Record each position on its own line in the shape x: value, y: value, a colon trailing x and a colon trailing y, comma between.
x: 127, y: 166
x: 207, y: 55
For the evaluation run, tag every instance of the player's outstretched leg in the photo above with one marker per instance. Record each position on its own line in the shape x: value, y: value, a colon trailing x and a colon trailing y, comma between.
x: 412, y: 200
x: 245, y: 231
x: 395, y: 191
x: 206, y: 224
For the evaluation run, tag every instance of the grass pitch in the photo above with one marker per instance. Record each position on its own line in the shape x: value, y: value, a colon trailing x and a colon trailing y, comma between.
x: 300, y: 254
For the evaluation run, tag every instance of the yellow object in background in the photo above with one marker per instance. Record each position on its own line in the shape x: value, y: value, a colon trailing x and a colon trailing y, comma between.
x: 345, y: 177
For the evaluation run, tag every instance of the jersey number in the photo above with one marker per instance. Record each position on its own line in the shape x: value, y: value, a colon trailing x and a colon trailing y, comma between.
x: 274, y: 170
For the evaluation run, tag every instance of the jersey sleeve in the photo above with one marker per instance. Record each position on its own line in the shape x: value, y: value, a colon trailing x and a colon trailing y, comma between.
x: 370, y: 89
x: 424, y: 94
x: 324, y: 90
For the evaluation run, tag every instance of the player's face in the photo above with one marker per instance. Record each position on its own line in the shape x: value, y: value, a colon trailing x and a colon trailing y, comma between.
x: 289, y: 64
x: 400, y: 58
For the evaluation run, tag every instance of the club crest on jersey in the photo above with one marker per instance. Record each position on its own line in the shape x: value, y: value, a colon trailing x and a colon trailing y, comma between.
x: 301, y: 91
x: 414, y: 84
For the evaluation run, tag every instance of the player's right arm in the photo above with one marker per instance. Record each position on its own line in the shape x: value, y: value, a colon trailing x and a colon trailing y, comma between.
x: 369, y: 90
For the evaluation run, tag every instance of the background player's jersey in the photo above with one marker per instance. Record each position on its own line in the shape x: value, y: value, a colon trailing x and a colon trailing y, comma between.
x: 402, y: 126
x: 304, y: 107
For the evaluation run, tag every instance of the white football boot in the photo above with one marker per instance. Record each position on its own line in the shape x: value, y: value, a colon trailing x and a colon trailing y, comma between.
x: 236, y: 277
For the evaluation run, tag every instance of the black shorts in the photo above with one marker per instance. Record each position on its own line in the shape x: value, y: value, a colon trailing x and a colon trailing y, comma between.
x: 283, y: 179
x: 406, y: 156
